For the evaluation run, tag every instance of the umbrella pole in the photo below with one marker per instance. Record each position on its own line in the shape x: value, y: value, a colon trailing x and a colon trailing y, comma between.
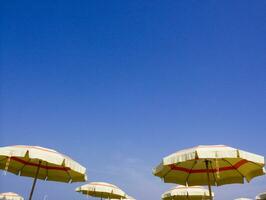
x: 208, y: 176
x: 35, y: 180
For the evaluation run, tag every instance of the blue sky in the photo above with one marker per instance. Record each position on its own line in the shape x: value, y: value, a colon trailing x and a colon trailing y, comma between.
x: 117, y: 85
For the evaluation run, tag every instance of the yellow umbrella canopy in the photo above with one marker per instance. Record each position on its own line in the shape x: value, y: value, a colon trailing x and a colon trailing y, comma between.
x: 40, y: 163
x: 186, y: 193
x: 10, y: 196
x: 261, y: 196
x: 102, y: 190
x: 210, y: 165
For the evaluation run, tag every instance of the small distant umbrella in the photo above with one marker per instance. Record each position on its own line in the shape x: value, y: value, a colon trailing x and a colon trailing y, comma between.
x: 243, y: 199
x: 186, y: 193
x: 40, y: 163
x: 126, y: 198
x: 261, y: 196
x: 210, y: 165
x: 102, y: 190
x: 10, y: 196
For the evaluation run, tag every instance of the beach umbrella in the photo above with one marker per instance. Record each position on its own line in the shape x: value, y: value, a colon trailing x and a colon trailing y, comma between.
x: 40, y: 163
x: 186, y: 193
x: 261, y: 196
x: 243, y: 199
x: 210, y: 165
x: 10, y: 196
x: 102, y: 190
x: 126, y: 198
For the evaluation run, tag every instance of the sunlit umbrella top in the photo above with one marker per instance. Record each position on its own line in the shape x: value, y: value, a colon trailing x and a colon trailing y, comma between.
x: 184, y: 193
x: 10, y: 196
x: 54, y: 166
x: 127, y: 198
x: 243, y: 199
x: 102, y: 190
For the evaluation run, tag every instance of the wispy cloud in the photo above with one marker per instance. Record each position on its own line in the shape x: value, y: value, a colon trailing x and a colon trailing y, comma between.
x: 134, y: 176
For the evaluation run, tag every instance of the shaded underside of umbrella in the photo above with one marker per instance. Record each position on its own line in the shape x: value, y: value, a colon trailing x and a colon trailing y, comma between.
x: 53, y: 166
x: 186, y: 193
x: 102, y: 190
x: 261, y: 196
x: 225, y: 165
x: 10, y: 196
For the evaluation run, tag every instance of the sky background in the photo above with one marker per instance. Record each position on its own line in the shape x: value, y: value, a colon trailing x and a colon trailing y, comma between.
x: 117, y: 85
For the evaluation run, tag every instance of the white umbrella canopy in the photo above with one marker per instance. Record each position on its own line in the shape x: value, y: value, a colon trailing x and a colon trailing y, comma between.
x: 127, y: 198
x: 10, y: 196
x: 40, y: 163
x: 243, y: 199
x: 102, y: 190
x: 187, y: 193
x: 210, y: 165
x: 261, y: 196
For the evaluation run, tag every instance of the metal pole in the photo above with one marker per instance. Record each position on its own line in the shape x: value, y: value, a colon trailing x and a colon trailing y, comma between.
x: 208, y: 176
x: 35, y: 180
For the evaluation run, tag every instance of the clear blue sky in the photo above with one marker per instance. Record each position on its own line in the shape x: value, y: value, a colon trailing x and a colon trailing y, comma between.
x: 119, y: 84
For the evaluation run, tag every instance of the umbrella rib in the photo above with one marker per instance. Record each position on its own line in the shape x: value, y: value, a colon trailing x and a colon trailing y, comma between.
x: 3, y: 159
x: 234, y: 167
x: 255, y: 163
x: 46, y: 170
x: 169, y: 171
x: 166, y: 173
x: 23, y: 166
x: 215, y: 179
x: 70, y: 178
x: 195, y: 162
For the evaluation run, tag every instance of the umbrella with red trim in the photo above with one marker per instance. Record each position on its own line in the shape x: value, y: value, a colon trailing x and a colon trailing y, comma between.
x: 102, y: 190
x: 210, y: 165
x: 186, y: 193
x: 40, y: 163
